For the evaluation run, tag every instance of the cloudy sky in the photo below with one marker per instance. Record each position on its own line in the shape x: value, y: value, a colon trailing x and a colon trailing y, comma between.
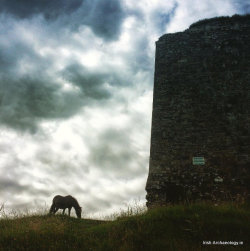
x: 76, y: 81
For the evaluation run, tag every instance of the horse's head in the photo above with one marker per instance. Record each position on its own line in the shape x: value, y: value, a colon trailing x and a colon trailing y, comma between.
x: 78, y: 212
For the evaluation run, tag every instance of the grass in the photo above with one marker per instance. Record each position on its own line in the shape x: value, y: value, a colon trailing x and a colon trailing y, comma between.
x: 172, y: 228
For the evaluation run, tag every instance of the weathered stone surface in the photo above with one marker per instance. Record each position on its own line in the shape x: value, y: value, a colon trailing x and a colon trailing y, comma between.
x: 201, y: 108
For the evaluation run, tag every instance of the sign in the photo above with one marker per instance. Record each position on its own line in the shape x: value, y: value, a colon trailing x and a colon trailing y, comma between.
x: 198, y: 161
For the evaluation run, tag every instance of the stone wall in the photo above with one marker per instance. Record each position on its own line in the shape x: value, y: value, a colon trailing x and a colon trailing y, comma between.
x: 201, y: 108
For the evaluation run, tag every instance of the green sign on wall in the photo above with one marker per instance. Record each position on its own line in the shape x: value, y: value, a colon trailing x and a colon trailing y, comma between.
x: 198, y: 161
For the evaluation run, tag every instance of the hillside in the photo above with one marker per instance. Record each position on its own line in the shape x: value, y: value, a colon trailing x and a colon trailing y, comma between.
x: 172, y: 228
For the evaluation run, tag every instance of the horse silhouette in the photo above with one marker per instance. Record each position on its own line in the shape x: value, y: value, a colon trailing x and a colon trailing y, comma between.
x: 63, y: 202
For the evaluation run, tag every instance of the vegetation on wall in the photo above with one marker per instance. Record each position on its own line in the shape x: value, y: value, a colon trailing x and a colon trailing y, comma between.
x: 226, y: 20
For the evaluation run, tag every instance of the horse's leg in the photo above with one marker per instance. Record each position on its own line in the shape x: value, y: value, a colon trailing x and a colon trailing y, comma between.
x: 56, y: 209
x: 69, y: 210
x: 63, y: 210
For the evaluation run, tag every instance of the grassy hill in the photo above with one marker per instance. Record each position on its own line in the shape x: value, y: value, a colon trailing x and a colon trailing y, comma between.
x: 172, y: 228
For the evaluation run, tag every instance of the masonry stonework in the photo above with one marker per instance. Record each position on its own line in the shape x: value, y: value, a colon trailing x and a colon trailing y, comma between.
x: 200, y: 138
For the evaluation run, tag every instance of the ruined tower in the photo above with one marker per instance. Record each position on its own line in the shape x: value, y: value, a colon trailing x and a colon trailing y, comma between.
x: 200, y: 139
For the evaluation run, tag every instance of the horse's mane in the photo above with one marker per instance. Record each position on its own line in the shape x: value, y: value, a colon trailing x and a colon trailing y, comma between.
x: 75, y: 200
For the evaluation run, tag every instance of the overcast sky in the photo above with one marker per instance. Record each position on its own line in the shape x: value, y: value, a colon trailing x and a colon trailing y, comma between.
x: 76, y: 82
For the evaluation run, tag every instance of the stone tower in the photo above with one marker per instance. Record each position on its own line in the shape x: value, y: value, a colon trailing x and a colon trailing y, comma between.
x: 200, y: 139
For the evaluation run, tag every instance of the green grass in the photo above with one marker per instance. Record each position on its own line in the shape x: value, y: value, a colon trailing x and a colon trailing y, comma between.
x: 172, y: 228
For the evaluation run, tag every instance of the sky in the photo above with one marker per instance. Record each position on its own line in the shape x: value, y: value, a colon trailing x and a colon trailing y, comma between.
x: 76, y: 90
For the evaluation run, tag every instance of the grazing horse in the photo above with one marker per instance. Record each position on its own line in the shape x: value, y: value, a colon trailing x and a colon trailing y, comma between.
x: 61, y: 202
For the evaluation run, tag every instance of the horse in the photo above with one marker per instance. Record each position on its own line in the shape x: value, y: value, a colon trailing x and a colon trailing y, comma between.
x: 63, y: 202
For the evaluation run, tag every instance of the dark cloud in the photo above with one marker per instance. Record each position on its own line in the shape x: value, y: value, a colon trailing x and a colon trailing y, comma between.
x: 16, y: 53
x: 114, y: 153
x: 5, y: 63
x: 104, y: 17
x: 10, y: 55
x: 11, y: 185
x: 29, y: 91
x: 29, y: 96
x: 27, y: 100
x: 91, y: 84
x: 28, y: 8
